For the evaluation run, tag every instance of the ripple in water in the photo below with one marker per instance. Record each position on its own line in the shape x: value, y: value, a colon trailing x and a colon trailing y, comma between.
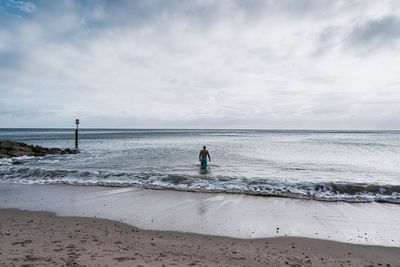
x: 322, y: 165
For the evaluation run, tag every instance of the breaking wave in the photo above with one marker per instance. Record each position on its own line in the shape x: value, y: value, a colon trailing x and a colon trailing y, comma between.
x: 323, y: 191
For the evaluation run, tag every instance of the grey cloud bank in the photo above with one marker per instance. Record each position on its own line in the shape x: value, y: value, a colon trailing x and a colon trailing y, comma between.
x: 192, y: 64
x: 375, y: 34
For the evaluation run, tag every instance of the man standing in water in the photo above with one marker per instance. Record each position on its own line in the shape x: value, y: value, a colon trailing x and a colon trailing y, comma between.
x: 203, y: 157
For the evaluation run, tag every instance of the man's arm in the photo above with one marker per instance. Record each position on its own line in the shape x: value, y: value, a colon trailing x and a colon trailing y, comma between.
x: 200, y: 155
x: 208, y: 154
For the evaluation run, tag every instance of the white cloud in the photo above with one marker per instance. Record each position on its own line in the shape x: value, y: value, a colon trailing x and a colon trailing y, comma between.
x: 20, y: 91
x: 274, y: 64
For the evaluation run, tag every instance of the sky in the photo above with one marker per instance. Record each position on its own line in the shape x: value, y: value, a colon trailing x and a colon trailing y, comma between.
x: 271, y: 64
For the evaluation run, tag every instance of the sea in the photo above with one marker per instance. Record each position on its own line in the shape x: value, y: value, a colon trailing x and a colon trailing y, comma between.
x: 349, y: 166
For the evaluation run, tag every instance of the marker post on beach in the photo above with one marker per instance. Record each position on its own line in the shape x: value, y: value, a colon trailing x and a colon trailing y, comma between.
x: 76, y: 133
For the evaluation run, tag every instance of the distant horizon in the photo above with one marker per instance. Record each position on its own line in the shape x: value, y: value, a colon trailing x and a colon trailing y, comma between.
x: 205, y: 129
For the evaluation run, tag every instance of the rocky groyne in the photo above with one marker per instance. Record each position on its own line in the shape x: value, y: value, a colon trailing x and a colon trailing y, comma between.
x: 9, y: 149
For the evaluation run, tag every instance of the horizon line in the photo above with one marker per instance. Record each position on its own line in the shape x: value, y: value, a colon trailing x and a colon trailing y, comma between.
x: 155, y: 128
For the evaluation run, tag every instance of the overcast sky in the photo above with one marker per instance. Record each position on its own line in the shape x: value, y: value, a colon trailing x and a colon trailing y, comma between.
x: 319, y: 64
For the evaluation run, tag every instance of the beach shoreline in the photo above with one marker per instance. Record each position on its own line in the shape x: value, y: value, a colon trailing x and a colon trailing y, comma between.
x: 42, y: 238
x: 237, y: 216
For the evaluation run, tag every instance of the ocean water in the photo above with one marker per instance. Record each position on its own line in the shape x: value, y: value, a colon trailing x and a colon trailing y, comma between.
x: 354, y: 166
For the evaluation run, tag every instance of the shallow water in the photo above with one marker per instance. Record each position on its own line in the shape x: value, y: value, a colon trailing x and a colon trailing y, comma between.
x: 354, y: 166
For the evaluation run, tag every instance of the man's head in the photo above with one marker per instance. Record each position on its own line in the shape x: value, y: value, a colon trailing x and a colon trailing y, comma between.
x: 204, y: 147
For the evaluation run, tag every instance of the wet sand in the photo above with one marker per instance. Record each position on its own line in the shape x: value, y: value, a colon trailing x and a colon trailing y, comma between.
x: 44, y: 239
x: 230, y: 215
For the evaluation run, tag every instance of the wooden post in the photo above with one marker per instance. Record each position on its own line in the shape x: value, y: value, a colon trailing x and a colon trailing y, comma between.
x: 76, y: 134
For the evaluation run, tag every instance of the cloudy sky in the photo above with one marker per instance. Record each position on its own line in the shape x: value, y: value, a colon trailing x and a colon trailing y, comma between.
x: 319, y: 64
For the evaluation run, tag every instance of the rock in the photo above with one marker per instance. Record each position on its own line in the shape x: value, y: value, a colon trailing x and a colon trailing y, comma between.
x: 10, y: 149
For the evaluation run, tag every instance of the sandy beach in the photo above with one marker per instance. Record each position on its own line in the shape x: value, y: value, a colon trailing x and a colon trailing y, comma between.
x: 30, y: 238
x: 232, y: 215
x: 58, y: 225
